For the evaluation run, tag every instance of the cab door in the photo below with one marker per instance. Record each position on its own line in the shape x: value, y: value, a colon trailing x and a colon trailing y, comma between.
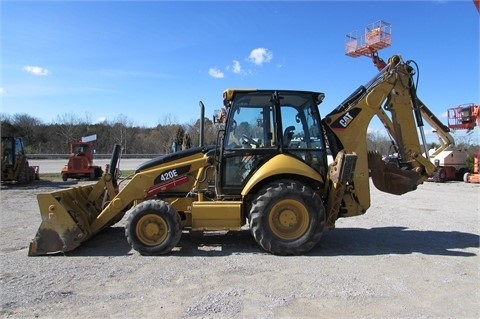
x: 250, y: 139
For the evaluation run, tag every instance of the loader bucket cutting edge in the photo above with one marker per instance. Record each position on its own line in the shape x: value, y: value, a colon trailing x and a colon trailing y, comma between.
x: 389, y: 178
x: 66, y: 218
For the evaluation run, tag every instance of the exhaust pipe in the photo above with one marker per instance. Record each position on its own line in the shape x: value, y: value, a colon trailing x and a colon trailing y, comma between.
x: 202, y: 123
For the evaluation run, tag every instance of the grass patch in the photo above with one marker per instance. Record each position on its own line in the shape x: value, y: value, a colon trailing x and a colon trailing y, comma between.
x: 50, y: 176
x: 58, y: 176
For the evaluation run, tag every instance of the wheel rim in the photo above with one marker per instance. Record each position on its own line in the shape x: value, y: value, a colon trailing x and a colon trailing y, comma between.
x: 288, y: 219
x: 151, y: 230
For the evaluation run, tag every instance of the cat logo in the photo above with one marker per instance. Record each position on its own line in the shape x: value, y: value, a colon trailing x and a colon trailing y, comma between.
x: 346, y: 119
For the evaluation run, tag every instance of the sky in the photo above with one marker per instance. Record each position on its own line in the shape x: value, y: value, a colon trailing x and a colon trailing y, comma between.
x: 151, y: 62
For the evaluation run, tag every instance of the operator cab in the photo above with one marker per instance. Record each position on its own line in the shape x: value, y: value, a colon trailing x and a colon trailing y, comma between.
x: 260, y: 124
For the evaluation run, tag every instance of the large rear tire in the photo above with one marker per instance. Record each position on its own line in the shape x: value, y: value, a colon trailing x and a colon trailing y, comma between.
x: 440, y: 175
x: 24, y: 175
x: 287, y: 218
x: 153, y: 227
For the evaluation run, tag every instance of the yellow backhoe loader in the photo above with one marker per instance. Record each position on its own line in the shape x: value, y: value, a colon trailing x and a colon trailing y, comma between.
x: 268, y: 171
x: 15, y: 165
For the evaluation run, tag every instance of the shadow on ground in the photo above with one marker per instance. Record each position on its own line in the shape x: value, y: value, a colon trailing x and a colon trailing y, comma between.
x: 395, y: 240
x: 339, y: 242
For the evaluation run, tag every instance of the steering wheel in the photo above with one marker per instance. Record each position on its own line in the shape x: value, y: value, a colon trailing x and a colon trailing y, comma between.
x: 251, y: 140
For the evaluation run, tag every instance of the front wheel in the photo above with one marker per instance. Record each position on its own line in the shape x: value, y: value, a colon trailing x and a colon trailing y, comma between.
x: 287, y: 218
x: 153, y: 228
x: 98, y: 172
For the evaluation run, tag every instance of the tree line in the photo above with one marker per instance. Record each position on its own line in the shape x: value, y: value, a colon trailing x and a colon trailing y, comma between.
x: 55, y: 138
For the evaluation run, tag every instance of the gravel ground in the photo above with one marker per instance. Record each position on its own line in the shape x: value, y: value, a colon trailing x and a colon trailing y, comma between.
x: 410, y: 256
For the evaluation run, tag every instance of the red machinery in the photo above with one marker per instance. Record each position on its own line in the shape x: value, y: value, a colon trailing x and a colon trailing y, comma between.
x: 467, y: 117
x: 376, y: 36
x: 80, y: 162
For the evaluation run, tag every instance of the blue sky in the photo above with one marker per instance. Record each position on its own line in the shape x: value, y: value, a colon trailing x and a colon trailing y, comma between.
x: 152, y: 62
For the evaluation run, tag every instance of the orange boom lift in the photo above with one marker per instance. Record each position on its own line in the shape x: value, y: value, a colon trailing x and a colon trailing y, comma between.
x: 376, y: 36
x: 467, y: 117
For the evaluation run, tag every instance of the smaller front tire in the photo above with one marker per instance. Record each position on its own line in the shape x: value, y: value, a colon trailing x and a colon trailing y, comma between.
x: 153, y: 228
x: 98, y: 172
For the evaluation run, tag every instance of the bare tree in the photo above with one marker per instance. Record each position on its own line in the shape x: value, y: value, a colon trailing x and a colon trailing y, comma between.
x: 68, y: 125
x: 210, y: 132
x: 379, y: 142
x: 27, y: 126
x: 121, y: 134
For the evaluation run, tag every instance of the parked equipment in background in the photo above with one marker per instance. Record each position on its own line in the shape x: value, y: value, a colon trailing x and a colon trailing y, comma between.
x: 376, y: 36
x: 80, y: 162
x: 451, y: 164
x: 467, y: 117
x: 268, y: 171
x: 15, y: 166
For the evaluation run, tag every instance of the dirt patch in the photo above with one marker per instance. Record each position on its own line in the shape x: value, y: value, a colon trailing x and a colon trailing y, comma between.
x: 414, y: 255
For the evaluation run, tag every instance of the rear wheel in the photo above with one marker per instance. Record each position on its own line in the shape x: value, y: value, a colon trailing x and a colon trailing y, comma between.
x: 32, y: 173
x: 24, y: 175
x: 153, y: 228
x: 287, y: 218
x: 440, y: 176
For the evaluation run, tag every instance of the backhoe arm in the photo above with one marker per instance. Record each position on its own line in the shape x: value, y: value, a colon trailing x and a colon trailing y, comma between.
x: 442, y: 131
x: 391, y: 97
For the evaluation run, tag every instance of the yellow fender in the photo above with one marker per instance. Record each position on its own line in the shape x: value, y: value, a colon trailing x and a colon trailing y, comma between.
x: 281, y: 165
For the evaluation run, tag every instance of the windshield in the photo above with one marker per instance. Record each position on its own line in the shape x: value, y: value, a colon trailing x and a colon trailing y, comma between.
x: 254, y: 114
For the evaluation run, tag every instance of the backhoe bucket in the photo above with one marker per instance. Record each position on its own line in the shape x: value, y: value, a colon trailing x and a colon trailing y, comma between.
x: 70, y: 216
x: 387, y: 177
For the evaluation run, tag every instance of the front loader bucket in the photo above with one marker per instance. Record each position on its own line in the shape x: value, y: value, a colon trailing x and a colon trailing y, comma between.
x: 71, y: 216
x: 66, y: 216
x: 389, y: 178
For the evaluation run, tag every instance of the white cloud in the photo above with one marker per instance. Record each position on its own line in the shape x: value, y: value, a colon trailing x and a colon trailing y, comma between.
x: 102, y: 119
x: 2, y: 91
x: 260, y: 56
x: 236, y: 67
x: 36, y: 70
x: 216, y: 73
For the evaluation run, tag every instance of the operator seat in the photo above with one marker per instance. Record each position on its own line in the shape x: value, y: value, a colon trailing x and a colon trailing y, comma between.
x: 288, y: 135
